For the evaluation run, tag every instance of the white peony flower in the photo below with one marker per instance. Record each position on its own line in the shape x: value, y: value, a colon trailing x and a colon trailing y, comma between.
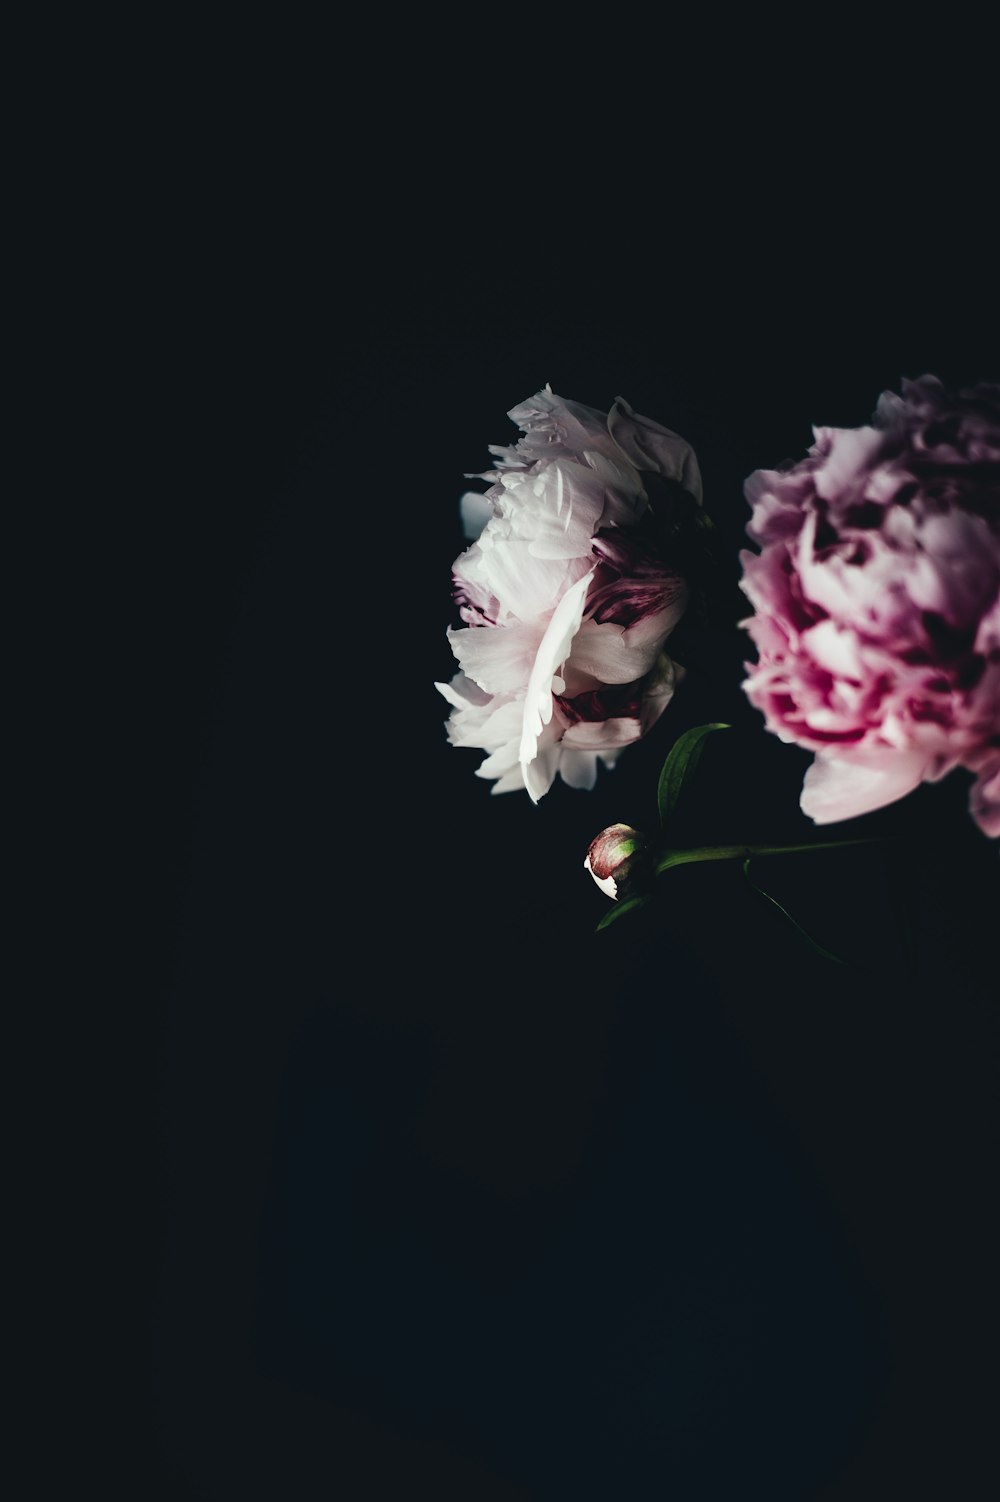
x: 567, y: 594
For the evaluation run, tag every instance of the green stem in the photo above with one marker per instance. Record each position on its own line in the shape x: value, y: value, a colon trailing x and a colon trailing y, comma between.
x: 826, y: 953
x: 671, y: 858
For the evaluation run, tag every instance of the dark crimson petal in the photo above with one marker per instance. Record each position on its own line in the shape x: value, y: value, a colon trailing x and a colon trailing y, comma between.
x: 623, y: 702
x: 632, y: 581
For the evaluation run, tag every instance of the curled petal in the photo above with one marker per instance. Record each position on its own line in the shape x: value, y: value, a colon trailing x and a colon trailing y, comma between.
x: 620, y: 654
x: 834, y: 789
x: 651, y: 447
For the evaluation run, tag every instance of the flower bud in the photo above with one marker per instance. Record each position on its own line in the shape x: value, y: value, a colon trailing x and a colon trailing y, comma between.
x: 613, y: 857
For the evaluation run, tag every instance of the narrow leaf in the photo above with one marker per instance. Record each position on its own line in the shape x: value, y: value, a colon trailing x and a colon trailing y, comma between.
x: 826, y: 953
x: 680, y: 765
x: 629, y: 905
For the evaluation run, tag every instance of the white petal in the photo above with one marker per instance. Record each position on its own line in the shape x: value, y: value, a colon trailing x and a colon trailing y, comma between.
x: 475, y: 510
x: 607, y: 884
x: 510, y: 782
x: 578, y: 768
x: 498, y: 658
x: 490, y: 726
x: 660, y: 690
x: 603, y: 735
x: 618, y: 654
x: 552, y: 652
x: 500, y: 763
x: 557, y: 508
x: 539, y: 773
x: 524, y: 582
x: 650, y: 446
x: 463, y: 692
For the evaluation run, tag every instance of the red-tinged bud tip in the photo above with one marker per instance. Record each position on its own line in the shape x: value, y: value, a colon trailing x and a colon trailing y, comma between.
x: 612, y: 856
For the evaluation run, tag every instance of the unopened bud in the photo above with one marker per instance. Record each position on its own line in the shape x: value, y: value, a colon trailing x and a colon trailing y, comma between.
x: 613, y: 857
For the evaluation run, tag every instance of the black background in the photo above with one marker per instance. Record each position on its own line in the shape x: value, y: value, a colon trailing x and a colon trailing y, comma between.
x: 453, y: 1195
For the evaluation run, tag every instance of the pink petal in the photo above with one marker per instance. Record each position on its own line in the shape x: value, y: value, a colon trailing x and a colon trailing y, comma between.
x: 834, y: 789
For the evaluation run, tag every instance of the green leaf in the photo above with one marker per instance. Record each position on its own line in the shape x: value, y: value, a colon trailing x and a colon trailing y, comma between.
x: 628, y: 905
x: 826, y: 953
x: 680, y: 765
x: 669, y: 857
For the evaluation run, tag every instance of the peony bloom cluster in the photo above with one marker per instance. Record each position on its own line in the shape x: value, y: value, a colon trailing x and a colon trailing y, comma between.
x: 876, y: 594
x: 567, y: 594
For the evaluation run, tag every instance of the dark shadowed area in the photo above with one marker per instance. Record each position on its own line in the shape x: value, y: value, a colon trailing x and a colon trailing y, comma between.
x: 456, y: 1196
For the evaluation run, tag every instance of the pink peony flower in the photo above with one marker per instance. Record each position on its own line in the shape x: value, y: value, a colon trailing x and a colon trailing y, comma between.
x: 877, y: 602
x: 566, y: 595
